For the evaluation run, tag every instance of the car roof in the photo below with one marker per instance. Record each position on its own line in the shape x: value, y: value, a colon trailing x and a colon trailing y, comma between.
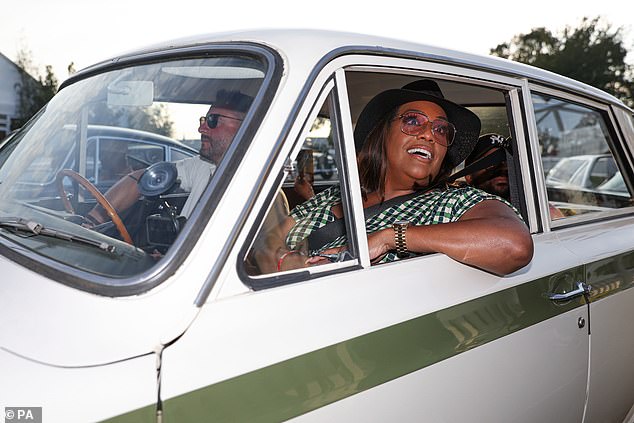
x: 585, y: 157
x: 114, y: 131
x: 292, y: 44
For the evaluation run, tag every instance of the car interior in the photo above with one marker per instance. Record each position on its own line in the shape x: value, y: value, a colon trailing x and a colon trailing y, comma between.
x: 489, y: 104
x: 559, y: 123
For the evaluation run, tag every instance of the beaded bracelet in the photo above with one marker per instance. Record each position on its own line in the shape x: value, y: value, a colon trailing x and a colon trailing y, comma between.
x: 281, y: 260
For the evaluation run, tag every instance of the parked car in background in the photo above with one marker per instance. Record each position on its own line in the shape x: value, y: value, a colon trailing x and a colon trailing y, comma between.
x: 587, y: 171
x: 615, y: 185
x: 110, y: 154
x: 186, y: 323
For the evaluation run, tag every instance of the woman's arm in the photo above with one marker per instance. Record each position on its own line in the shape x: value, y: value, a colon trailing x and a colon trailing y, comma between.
x: 489, y: 236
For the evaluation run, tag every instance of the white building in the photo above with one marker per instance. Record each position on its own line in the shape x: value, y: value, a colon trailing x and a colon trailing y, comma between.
x: 9, y: 77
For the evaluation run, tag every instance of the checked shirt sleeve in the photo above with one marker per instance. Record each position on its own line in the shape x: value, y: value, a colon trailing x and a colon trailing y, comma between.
x: 312, y: 215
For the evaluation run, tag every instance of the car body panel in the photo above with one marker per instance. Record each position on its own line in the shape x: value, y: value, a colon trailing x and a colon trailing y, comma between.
x: 482, y: 384
x: 90, y: 393
x: 386, y: 356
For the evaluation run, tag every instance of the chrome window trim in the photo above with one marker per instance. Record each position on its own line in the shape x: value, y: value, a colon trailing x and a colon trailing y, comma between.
x: 523, y: 142
x: 352, y: 173
x: 626, y: 123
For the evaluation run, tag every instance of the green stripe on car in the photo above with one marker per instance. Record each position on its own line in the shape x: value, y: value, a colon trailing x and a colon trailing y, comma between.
x: 304, y: 383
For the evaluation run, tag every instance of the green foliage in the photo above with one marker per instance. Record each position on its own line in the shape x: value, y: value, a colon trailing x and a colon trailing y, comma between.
x: 153, y: 119
x: 593, y: 53
x: 35, y: 92
x: 32, y: 93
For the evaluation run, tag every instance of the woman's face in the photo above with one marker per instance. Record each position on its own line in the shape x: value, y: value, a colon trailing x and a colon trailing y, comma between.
x: 414, y: 161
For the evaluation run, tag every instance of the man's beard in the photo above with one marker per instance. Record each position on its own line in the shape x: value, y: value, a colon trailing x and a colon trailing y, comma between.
x: 206, y: 153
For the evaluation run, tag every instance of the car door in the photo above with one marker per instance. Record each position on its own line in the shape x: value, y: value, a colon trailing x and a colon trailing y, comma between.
x: 349, y: 341
x: 598, y: 227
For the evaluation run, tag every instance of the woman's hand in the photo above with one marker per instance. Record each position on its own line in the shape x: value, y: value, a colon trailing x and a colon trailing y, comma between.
x: 379, y: 243
x: 321, y: 259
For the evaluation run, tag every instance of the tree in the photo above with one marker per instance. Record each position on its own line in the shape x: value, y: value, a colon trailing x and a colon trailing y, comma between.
x: 33, y: 90
x: 155, y: 118
x: 593, y: 53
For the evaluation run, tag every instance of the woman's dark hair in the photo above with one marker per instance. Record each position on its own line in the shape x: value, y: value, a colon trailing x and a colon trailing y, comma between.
x: 372, y: 158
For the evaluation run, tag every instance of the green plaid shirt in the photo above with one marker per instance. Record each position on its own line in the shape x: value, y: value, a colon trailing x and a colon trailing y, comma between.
x: 430, y: 208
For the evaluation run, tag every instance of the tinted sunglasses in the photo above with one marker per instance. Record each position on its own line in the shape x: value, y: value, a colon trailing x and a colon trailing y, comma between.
x: 414, y: 123
x: 212, y: 119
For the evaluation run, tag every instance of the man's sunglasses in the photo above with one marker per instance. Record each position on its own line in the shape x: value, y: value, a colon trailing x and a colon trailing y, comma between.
x: 414, y: 123
x: 212, y: 119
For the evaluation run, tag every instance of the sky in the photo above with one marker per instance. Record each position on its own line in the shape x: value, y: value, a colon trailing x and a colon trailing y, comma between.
x: 85, y: 32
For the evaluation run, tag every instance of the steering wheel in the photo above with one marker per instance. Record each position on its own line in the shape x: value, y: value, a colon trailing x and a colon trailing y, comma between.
x: 103, y: 201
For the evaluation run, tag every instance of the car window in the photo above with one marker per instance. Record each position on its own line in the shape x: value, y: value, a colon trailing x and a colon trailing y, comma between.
x: 111, y: 159
x: 141, y: 155
x: 177, y: 154
x: 316, y: 162
x: 311, y: 180
x: 575, y: 143
x: 103, y: 126
x: 494, y: 119
x: 488, y: 104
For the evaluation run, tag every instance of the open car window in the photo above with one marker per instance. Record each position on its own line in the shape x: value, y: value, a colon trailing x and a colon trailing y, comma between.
x: 310, y: 195
x: 311, y: 180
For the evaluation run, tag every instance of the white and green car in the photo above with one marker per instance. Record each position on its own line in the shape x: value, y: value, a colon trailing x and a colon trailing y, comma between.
x: 178, y: 321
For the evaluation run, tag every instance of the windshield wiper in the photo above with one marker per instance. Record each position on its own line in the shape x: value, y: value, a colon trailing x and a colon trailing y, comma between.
x: 30, y: 226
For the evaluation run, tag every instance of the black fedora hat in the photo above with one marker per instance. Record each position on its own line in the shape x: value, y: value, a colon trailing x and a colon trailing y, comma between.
x: 466, y: 122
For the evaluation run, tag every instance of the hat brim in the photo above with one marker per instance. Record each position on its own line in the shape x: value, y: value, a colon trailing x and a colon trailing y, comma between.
x: 466, y: 122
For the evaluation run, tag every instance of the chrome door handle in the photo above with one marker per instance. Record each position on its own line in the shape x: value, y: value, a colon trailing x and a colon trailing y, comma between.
x: 582, y: 289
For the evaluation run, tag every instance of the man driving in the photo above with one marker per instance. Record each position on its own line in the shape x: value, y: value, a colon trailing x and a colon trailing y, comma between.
x: 217, y: 130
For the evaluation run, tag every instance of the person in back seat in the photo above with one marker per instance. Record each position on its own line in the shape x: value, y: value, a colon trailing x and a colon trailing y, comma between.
x: 494, y: 179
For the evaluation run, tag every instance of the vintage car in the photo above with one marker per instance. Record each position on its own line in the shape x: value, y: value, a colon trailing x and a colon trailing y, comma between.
x: 111, y: 153
x: 181, y: 321
x: 587, y: 171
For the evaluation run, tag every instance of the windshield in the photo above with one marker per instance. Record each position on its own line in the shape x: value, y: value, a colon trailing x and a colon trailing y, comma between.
x: 111, y: 170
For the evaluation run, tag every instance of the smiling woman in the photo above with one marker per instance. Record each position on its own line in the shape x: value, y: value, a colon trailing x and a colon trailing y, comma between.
x: 408, y: 141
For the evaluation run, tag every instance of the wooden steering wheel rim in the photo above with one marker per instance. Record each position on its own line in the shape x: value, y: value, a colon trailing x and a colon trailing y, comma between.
x: 103, y: 201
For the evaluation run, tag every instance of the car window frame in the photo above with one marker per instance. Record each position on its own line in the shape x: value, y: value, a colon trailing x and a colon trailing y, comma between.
x: 141, y: 283
x: 332, y: 91
x: 618, y: 148
x: 510, y: 87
